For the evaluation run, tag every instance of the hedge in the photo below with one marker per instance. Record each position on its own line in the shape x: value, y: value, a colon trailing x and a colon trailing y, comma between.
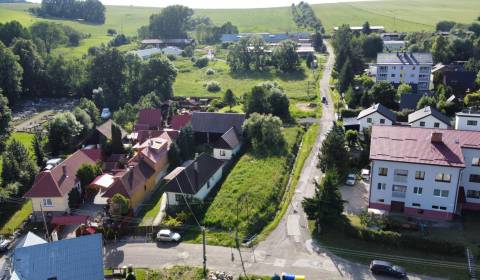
x: 398, y: 240
x: 350, y: 113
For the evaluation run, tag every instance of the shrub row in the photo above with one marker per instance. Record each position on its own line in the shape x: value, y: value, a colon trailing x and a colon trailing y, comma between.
x: 350, y: 113
x: 399, y: 240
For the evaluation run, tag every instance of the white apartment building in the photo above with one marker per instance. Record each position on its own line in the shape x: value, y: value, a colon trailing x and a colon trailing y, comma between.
x: 428, y: 117
x: 402, y: 67
x: 468, y: 120
x: 424, y: 172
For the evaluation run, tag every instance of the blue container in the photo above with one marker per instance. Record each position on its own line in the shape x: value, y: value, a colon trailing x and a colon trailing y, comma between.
x: 286, y: 276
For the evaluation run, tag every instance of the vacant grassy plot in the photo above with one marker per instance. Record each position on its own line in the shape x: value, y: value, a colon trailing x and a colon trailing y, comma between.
x: 11, y: 222
x: 191, y: 80
x: 251, y: 191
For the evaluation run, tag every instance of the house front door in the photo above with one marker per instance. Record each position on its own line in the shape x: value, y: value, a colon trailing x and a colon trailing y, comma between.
x: 397, y: 206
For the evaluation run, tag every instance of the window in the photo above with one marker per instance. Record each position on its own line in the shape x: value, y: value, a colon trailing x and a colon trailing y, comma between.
x: 382, y: 171
x: 179, y: 198
x: 443, y: 208
x: 400, y: 175
x: 416, y: 204
x: 476, y: 161
x: 443, y: 177
x: 369, y: 120
x: 381, y: 200
x: 473, y: 194
x: 47, y: 202
x: 440, y: 193
x: 222, y: 153
x: 434, y: 206
x: 422, y: 124
x: 420, y: 175
x: 382, y: 121
x: 474, y: 178
x: 436, y: 125
x: 418, y: 190
x: 381, y: 186
x: 413, y: 68
x: 399, y: 188
x: 471, y: 122
x: 393, y: 75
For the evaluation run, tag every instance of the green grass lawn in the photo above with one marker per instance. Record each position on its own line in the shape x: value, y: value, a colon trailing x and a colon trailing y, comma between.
x: 151, y: 208
x: 190, y: 80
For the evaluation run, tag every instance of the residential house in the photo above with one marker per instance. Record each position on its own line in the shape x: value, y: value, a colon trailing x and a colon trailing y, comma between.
x: 103, y: 133
x: 227, y: 146
x: 209, y: 127
x: 410, y: 68
x: 469, y: 119
x: 424, y: 172
x: 195, y: 180
x: 135, y: 182
x: 79, y: 258
x: 179, y: 121
x: 49, y: 192
x: 456, y: 77
x: 428, y: 117
x: 376, y: 114
x: 149, y: 119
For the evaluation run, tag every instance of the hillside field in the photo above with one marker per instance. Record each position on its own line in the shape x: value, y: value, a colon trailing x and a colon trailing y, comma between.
x: 400, y: 15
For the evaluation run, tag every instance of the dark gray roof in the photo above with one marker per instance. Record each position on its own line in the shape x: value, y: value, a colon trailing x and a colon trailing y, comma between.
x: 229, y: 140
x: 405, y: 58
x: 427, y: 111
x: 409, y: 100
x: 189, y: 181
x: 106, y: 129
x: 384, y: 111
x: 217, y: 122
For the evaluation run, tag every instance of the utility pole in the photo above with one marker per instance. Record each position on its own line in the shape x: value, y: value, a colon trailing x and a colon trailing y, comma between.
x: 45, y: 222
x: 204, y: 254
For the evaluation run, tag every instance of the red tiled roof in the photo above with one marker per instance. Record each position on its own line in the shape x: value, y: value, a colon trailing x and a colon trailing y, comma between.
x: 60, y: 180
x: 150, y: 117
x: 414, y: 145
x: 179, y: 121
x: 69, y: 220
x: 130, y: 181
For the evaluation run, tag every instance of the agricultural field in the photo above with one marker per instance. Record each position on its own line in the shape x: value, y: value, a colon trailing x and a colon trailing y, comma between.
x: 400, y: 15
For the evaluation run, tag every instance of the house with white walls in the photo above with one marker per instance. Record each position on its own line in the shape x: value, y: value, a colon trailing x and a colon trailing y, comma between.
x: 469, y: 119
x: 403, y: 67
x: 228, y: 145
x: 376, y: 114
x: 428, y: 117
x: 424, y: 172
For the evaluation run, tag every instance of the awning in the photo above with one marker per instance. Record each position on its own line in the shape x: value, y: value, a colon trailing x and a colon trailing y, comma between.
x: 69, y: 220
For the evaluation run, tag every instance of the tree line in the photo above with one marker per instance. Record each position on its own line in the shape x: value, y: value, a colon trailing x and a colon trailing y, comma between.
x: 305, y: 18
x: 88, y: 10
x: 177, y: 21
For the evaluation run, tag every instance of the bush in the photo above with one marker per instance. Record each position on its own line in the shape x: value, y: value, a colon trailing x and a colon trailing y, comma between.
x: 201, y: 62
x: 209, y: 72
x: 171, y: 57
x: 213, y: 86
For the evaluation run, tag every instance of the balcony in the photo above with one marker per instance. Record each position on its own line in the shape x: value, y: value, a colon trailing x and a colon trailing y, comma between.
x: 399, y: 178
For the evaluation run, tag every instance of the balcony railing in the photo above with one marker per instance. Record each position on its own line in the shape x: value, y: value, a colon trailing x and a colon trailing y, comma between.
x: 398, y: 194
x: 399, y: 178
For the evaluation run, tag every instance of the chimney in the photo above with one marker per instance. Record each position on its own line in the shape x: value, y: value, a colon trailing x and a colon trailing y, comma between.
x: 436, y: 137
x: 195, y: 168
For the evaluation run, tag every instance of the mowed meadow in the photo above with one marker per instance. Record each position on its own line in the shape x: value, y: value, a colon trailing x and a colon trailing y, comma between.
x: 399, y: 15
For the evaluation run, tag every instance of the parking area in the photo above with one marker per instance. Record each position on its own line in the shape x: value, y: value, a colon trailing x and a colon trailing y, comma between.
x: 356, y: 197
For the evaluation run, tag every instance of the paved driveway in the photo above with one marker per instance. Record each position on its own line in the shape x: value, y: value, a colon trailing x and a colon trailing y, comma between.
x: 356, y: 197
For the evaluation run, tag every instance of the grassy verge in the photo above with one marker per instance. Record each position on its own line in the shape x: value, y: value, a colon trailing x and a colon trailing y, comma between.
x: 364, y: 252
x: 12, y: 217
x: 308, y: 142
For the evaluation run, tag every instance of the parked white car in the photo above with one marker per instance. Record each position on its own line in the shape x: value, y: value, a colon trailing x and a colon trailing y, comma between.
x: 168, y: 236
x: 350, y: 180
x: 4, y: 244
x: 366, y: 174
x: 105, y: 113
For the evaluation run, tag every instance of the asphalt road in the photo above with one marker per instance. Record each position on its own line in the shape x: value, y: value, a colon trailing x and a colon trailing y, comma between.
x: 289, y: 248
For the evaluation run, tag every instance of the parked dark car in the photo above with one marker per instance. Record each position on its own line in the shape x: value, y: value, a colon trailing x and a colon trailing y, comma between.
x: 386, y: 268
x: 324, y: 100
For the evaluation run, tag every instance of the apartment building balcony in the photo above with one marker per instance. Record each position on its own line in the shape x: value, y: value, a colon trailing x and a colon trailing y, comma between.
x: 400, y: 179
x: 398, y: 194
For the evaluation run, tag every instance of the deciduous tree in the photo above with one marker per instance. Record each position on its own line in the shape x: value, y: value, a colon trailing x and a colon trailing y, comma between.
x: 18, y: 166
x: 265, y: 134
x: 10, y: 74
x: 285, y: 56
x: 63, y: 132
x: 5, y: 121
x: 333, y: 153
x: 229, y: 99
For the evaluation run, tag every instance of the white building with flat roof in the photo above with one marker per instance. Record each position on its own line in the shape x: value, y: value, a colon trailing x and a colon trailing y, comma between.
x: 468, y: 120
x: 402, y: 67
